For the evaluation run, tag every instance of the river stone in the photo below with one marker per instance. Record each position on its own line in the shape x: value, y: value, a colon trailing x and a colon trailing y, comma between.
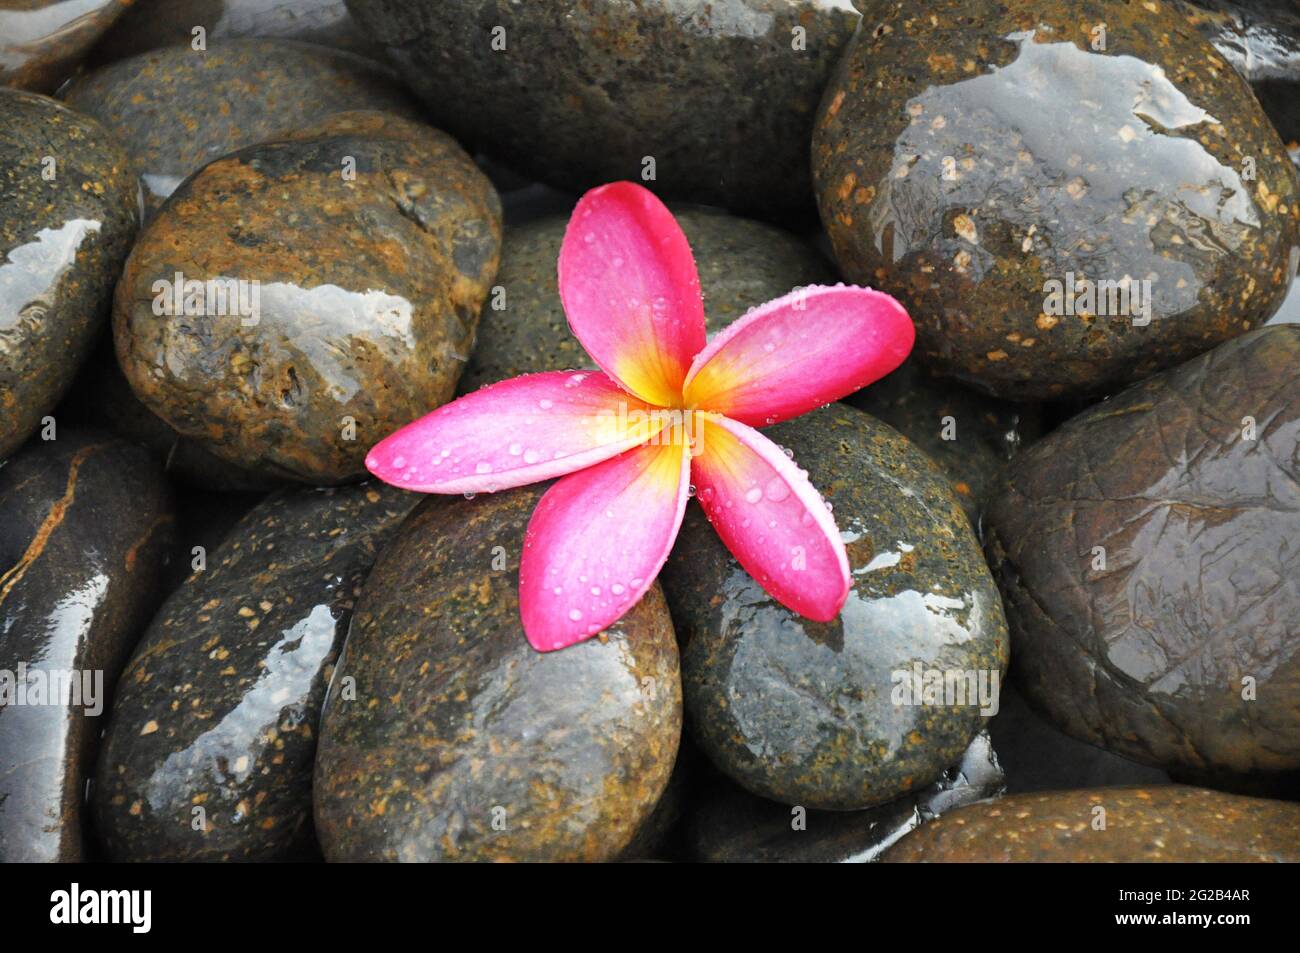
x: 802, y: 712
x: 969, y: 435
x: 67, y: 216
x: 721, y: 96
x: 178, y: 108
x: 1170, y: 823
x: 1145, y: 646
x: 368, y: 289
x: 218, y: 707
x: 447, y: 737
x: 151, y: 25
x: 42, y: 41
x: 969, y: 153
x: 730, y: 825
x: 85, y: 524
x: 742, y: 264
x: 1261, y: 40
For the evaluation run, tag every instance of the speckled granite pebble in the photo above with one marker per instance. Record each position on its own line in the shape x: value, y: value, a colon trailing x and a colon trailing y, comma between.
x: 970, y: 435
x: 742, y: 264
x: 42, y: 41
x: 969, y: 152
x: 578, y: 93
x: 154, y: 23
x: 730, y: 825
x: 803, y: 712
x: 1146, y: 552
x: 178, y: 108
x: 85, y: 525
x: 1171, y: 824
x: 68, y: 212
x: 209, y: 750
x: 447, y: 737
x: 368, y: 290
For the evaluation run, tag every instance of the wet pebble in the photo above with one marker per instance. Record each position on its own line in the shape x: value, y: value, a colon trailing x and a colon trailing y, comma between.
x: 43, y: 41
x: 1145, y: 552
x: 447, y: 737
x: 85, y: 526
x: 825, y: 715
x: 209, y: 751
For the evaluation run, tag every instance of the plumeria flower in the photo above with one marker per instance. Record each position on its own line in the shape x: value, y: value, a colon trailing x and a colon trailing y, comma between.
x: 670, y: 415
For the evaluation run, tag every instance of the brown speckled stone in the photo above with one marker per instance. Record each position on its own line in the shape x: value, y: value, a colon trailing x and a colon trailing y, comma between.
x: 42, y: 41
x: 803, y: 712
x: 971, y: 436
x: 85, y: 525
x: 68, y: 207
x: 970, y: 151
x: 742, y: 264
x: 441, y: 719
x: 154, y: 23
x: 720, y: 94
x: 1146, y: 654
x: 179, y: 108
x: 1173, y: 824
x: 369, y: 289
x: 219, y: 704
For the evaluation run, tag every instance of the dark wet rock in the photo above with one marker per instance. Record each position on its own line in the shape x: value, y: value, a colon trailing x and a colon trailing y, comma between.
x: 447, y: 737
x: 203, y: 521
x: 208, y: 754
x: 971, y: 153
x: 1261, y: 40
x: 178, y: 109
x: 970, y: 435
x: 1147, y: 559
x: 351, y: 301
x: 68, y: 207
x: 150, y: 25
x: 742, y: 264
x: 85, y: 526
x: 1038, y: 757
x: 720, y: 95
x: 658, y: 836
x: 730, y: 825
x: 1169, y: 823
x: 811, y: 713
x: 42, y: 41
x: 101, y: 398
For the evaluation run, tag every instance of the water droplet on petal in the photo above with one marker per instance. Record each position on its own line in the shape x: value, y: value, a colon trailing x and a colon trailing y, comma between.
x: 777, y: 489
x: 516, y: 449
x: 753, y: 495
x: 530, y: 456
x: 575, y: 614
x: 483, y: 467
x: 545, y: 404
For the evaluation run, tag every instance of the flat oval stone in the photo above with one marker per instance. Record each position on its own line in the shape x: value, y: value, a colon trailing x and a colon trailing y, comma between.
x: 742, y: 264
x: 1146, y: 555
x: 1172, y: 823
x: 969, y: 435
x: 178, y: 108
x: 704, y: 102
x: 42, y: 41
x: 339, y: 307
x: 68, y: 212
x: 208, y: 754
x: 1058, y: 220
x: 830, y: 715
x: 447, y: 737
x: 85, y: 525
x: 730, y: 825
x: 151, y: 25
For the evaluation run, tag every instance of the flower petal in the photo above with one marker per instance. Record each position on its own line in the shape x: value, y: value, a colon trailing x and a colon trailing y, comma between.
x: 631, y: 291
x: 518, y: 431
x: 786, y: 357
x: 596, y: 542
x: 771, y: 518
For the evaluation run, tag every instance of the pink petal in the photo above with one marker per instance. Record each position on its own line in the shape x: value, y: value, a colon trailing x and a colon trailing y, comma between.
x: 771, y: 519
x: 631, y: 291
x: 802, y: 351
x: 518, y: 431
x: 596, y: 542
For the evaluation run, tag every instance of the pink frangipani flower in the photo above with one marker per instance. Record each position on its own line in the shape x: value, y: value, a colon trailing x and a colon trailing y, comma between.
x: 669, y: 414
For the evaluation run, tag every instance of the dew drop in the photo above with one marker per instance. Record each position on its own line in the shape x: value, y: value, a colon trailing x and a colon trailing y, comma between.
x: 399, y: 462
x: 530, y: 456
x: 636, y: 582
x: 469, y: 496
x: 690, y: 490
x: 516, y: 449
x: 575, y: 614
x: 595, y: 590
x: 617, y: 588
x: 483, y: 467
x: 777, y: 489
x: 545, y: 404
x: 753, y: 495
